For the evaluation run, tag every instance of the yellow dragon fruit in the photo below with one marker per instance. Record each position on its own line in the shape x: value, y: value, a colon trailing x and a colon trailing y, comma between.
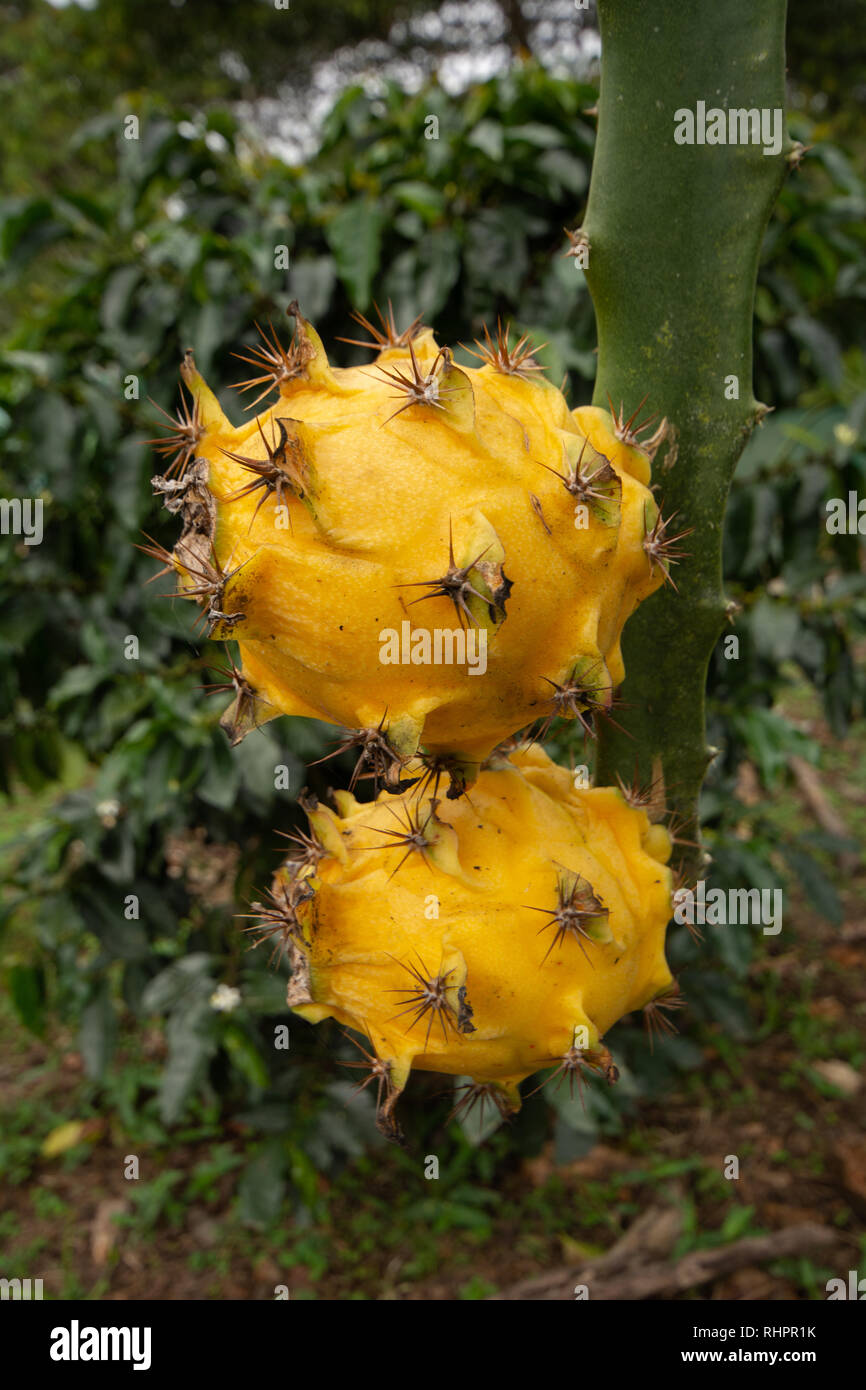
x: 487, y: 937
x: 430, y: 556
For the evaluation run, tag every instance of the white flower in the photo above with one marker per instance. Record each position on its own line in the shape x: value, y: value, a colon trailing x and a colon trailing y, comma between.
x: 108, y: 811
x: 224, y: 999
x: 845, y: 434
x: 174, y: 207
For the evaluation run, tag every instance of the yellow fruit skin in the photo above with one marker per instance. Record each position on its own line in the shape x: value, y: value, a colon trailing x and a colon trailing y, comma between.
x: 465, y: 905
x: 350, y: 550
x: 658, y: 843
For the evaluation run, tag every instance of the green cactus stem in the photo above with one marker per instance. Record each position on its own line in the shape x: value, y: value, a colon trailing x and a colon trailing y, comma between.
x: 675, y: 231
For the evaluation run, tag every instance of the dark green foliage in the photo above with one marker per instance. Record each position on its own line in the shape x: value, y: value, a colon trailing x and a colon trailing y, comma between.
x: 176, y: 250
x: 62, y: 64
x: 826, y: 51
x: 801, y: 593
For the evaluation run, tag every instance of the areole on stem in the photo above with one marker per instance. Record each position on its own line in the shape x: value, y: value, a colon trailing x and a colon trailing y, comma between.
x: 674, y: 233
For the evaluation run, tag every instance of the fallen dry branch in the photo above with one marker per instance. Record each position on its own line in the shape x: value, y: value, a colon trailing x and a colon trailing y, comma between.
x: 829, y: 819
x: 629, y: 1271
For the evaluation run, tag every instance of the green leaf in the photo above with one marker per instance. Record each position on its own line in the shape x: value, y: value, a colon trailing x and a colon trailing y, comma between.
x: 354, y: 235
x: 437, y: 268
x: 304, y: 1175
x: 102, y: 907
x: 193, y: 1040
x: 770, y: 740
x: 421, y: 197
x: 311, y: 282
x: 775, y: 628
x: 26, y: 986
x: 256, y: 757
x: 821, y: 343
x: 488, y: 136
x: 208, y: 327
x: 190, y: 977
x: 221, y: 783
x: 496, y: 255
x: 572, y: 1140
x: 543, y: 137
x: 264, y: 991
x: 117, y: 296
x: 263, y: 1186
x: 565, y: 169
x: 78, y: 680
x: 737, y: 1223
x: 26, y: 228
x: 820, y: 889
x: 245, y: 1056
x: 97, y: 1033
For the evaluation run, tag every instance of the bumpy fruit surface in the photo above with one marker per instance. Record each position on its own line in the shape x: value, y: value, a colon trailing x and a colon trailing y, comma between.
x: 429, y: 555
x: 488, y: 937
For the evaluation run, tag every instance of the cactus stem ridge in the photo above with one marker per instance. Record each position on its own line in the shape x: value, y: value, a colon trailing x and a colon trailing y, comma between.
x: 667, y: 319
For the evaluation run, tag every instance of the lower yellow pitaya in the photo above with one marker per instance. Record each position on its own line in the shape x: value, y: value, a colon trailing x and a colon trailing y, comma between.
x: 488, y: 937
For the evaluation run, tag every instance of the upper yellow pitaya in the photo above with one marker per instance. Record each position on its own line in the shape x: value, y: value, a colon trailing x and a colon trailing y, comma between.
x: 430, y: 555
